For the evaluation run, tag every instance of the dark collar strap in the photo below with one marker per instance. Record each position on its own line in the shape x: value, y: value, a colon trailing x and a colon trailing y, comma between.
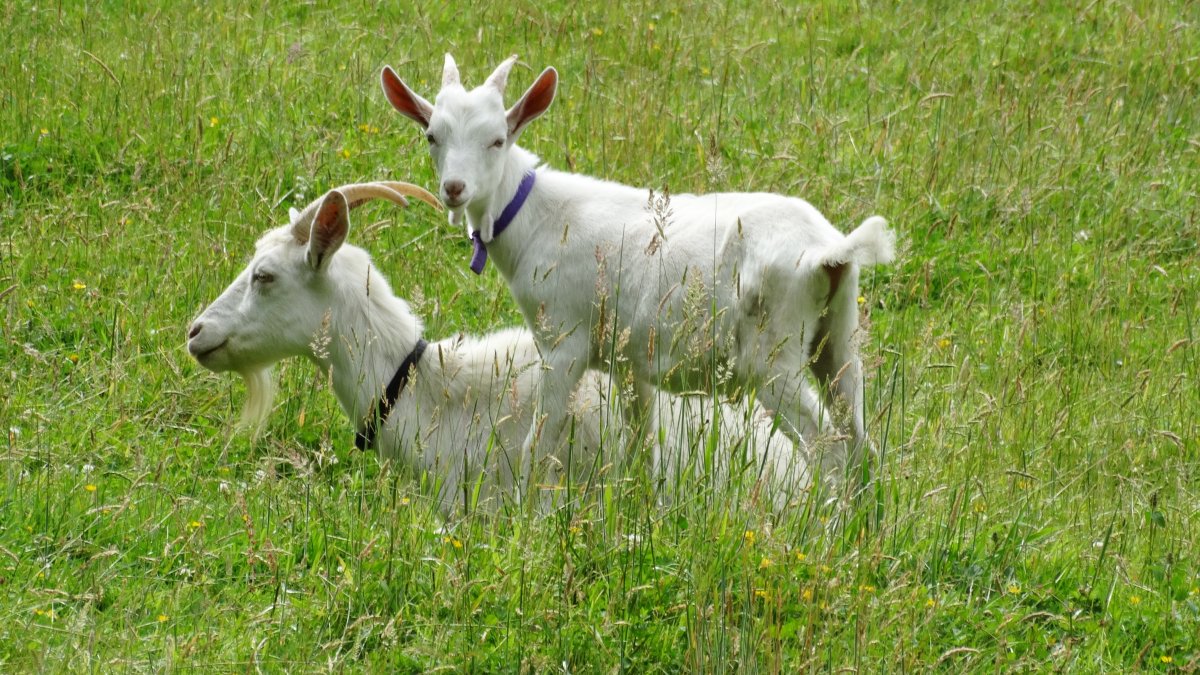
x: 479, y: 259
x: 365, y: 438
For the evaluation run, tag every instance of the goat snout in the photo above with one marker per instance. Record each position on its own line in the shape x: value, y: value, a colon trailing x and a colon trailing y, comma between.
x: 454, y: 190
x: 202, y: 344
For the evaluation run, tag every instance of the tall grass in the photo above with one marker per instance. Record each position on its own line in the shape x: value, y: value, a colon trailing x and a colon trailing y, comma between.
x: 1033, y: 356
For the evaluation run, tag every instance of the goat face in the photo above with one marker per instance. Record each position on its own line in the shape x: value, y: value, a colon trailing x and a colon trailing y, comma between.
x: 469, y: 132
x: 271, y: 310
x: 468, y: 141
x: 277, y: 305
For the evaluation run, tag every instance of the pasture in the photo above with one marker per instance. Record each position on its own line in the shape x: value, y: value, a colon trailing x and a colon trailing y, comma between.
x: 1033, y: 356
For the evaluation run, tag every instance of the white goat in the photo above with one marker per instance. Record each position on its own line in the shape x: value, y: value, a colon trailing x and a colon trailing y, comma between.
x: 734, y: 291
x: 467, y: 404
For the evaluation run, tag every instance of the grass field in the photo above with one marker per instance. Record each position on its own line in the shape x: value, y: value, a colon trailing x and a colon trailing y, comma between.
x: 1034, y: 357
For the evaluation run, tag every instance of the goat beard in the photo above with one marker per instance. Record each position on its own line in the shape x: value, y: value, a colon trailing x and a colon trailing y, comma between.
x: 260, y: 395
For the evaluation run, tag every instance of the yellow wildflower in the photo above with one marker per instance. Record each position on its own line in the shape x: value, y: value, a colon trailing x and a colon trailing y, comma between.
x: 806, y: 594
x: 195, y: 524
x: 45, y: 131
x: 78, y: 285
x: 931, y: 603
x: 1135, y: 599
x: 800, y: 557
x: 943, y: 343
x: 1014, y: 589
x: 597, y: 32
x: 73, y: 358
x: 766, y: 562
x: 162, y: 618
x: 212, y: 121
x: 404, y: 501
x: 862, y: 300
x: 345, y: 153
x: 1166, y: 658
x: 761, y: 593
x: 748, y: 536
x: 89, y: 487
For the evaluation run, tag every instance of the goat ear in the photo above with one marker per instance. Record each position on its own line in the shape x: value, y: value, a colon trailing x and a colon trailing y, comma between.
x: 328, y: 231
x: 499, y: 77
x: 450, y: 73
x: 403, y: 99
x: 535, y: 101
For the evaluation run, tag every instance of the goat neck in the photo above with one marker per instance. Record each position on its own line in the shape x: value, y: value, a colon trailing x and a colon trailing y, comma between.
x: 483, y: 214
x: 371, y: 333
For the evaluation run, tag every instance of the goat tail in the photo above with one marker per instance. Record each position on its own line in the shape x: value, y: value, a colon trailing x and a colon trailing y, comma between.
x: 260, y: 394
x: 872, y: 243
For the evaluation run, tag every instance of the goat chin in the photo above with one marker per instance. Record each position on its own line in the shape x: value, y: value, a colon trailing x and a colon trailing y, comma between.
x: 260, y: 394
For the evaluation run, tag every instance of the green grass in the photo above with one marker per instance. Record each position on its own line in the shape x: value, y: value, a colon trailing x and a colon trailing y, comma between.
x: 1033, y: 355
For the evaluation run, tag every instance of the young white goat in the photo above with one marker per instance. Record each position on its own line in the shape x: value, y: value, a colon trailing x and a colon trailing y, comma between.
x: 463, y: 406
x: 733, y: 291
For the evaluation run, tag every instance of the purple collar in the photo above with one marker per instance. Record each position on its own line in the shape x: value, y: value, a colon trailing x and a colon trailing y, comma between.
x: 479, y: 259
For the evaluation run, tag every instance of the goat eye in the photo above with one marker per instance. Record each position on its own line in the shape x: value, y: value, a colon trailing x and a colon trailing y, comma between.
x: 263, y: 277
x: 431, y: 139
x: 498, y: 143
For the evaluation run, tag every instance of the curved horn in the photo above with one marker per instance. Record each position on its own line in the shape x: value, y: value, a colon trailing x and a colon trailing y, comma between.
x: 413, y: 191
x: 356, y: 195
x: 450, y: 73
x: 499, y: 77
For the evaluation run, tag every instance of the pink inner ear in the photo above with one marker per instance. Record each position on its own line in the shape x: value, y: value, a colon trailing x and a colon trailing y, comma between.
x: 541, y: 94
x: 534, y: 102
x: 329, y: 226
x: 403, y: 99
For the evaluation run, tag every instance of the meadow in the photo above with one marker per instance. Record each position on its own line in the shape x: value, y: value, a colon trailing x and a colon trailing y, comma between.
x: 1033, y: 356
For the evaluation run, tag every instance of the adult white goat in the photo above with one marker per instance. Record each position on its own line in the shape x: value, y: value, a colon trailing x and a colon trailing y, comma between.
x: 460, y: 408
x: 735, y: 291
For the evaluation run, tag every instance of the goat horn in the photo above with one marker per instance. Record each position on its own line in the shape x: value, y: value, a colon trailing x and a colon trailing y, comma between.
x: 393, y: 191
x: 357, y: 194
x: 499, y: 78
x: 414, y: 191
x: 450, y: 73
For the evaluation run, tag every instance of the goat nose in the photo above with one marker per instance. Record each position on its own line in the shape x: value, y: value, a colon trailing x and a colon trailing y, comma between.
x: 454, y: 188
x: 195, y: 330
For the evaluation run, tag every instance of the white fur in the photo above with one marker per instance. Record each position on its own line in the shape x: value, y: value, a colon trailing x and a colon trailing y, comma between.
x: 601, y: 269
x: 464, y: 415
